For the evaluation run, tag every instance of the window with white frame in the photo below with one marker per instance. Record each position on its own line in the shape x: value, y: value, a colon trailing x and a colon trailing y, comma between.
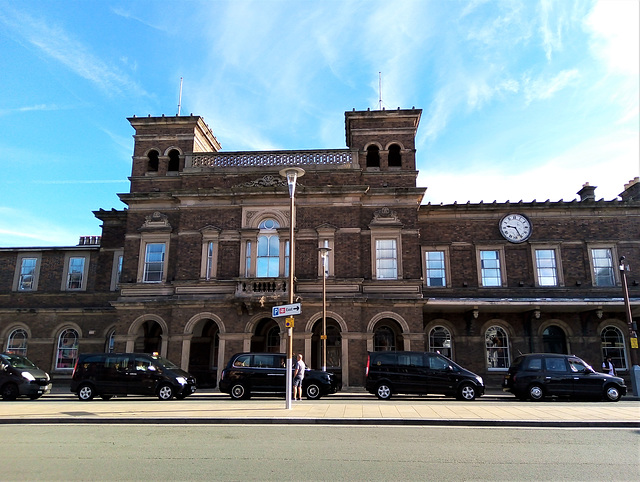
x: 386, y: 259
x: 247, y: 259
x: 116, y: 270
x: 67, y: 349
x: 268, y: 255
x: 17, y: 342
x: 613, y: 345
x: 435, y: 268
x: 75, y: 273
x: 26, y: 281
x: 497, y: 348
x: 490, y: 268
x: 440, y: 341
x: 154, y: 261
x: 546, y: 267
x: 110, y: 344
x: 210, y: 266
x: 603, y: 268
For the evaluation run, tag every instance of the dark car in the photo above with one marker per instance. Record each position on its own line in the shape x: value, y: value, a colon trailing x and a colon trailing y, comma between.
x: 109, y: 374
x: 415, y: 372
x: 249, y: 373
x: 538, y: 375
x: 19, y: 377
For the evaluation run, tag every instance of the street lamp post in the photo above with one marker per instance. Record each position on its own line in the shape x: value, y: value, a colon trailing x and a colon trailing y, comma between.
x: 291, y: 174
x: 633, y: 330
x: 324, y: 252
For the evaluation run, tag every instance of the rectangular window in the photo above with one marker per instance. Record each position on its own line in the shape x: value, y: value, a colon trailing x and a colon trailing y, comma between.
x: 27, y: 274
x: 546, y: 267
x: 210, y: 260
x: 603, y: 273
x: 435, y: 267
x: 490, y: 268
x: 119, y: 270
x: 75, y: 273
x: 154, y: 263
x: 386, y: 259
x: 286, y: 258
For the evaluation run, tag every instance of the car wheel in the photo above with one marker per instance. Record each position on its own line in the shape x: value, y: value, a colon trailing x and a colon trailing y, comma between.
x: 467, y: 392
x: 313, y: 392
x: 239, y: 392
x: 165, y: 392
x: 10, y: 392
x: 106, y: 397
x: 383, y: 392
x: 86, y: 393
x: 536, y: 393
x: 612, y: 393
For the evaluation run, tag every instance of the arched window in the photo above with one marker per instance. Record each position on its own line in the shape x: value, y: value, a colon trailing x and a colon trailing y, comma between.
x: 384, y: 339
x: 154, y: 161
x: 497, y: 348
x: 373, y: 156
x: 613, y: 345
x: 268, y: 260
x: 17, y: 342
x: 174, y: 160
x: 395, y: 159
x: 554, y: 340
x: 67, y: 351
x: 440, y: 341
x: 110, y: 344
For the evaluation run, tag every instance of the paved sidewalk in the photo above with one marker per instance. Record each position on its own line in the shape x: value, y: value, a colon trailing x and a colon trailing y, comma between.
x: 354, y: 408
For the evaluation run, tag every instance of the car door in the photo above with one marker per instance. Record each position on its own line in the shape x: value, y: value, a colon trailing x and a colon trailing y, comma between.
x: 411, y: 373
x: 586, y: 383
x: 143, y: 376
x: 113, y: 374
x: 268, y: 373
x: 440, y: 377
x: 558, y: 379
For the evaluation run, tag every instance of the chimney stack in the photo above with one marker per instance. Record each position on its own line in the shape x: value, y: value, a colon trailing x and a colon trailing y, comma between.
x: 631, y: 190
x: 587, y: 193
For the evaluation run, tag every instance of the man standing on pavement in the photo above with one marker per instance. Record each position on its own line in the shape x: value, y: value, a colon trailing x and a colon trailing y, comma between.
x: 298, y: 376
x: 609, y: 367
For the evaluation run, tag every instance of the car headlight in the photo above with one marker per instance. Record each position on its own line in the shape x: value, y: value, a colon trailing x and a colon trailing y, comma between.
x: 28, y: 376
x: 181, y: 380
x: 46, y: 375
x: 480, y: 381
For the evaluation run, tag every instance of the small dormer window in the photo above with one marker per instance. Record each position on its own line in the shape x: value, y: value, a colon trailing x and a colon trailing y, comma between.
x: 174, y: 160
x: 395, y: 159
x: 154, y: 160
x: 373, y: 156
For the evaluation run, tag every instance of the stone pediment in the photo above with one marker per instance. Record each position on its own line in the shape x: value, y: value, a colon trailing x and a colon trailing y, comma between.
x: 156, y: 222
x: 385, y: 217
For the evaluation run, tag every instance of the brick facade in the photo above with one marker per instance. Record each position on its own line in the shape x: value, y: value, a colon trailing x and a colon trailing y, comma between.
x: 186, y: 193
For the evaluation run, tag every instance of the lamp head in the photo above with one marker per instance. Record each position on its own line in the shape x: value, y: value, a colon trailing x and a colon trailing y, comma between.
x: 292, y: 174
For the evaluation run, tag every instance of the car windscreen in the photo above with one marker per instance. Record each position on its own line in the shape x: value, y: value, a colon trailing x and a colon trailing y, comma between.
x: 17, y: 361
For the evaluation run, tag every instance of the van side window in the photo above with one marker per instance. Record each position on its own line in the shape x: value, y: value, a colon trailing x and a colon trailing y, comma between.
x: 242, y: 361
x: 385, y: 359
x: 116, y: 362
x: 265, y: 361
x: 411, y: 359
x: 534, y: 364
x: 556, y: 364
x: 436, y: 363
x: 142, y: 364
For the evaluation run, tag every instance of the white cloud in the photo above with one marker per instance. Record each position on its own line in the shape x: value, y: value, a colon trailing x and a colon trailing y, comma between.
x: 56, y: 43
x: 541, y: 88
x: 615, y: 28
x: 22, y: 228
x: 607, y: 162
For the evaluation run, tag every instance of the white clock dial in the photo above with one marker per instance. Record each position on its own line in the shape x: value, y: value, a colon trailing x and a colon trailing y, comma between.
x: 515, y: 228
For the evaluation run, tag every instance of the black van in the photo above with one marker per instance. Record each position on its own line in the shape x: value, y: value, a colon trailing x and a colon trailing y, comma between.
x: 19, y: 377
x: 109, y: 374
x: 415, y: 372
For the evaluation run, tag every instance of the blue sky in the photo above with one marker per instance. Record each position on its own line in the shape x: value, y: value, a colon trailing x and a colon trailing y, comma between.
x: 521, y: 100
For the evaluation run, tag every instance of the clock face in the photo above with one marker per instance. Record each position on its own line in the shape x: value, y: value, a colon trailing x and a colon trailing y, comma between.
x: 515, y: 228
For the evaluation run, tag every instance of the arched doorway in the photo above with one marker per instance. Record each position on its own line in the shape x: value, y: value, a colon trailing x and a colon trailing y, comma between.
x: 203, y: 354
x: 266, y: 338
x: 149, y: 338
x: 554, y: 340
x: 334, y: 347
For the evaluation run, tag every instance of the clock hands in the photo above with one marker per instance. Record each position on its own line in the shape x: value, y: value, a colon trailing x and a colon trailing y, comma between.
x: 514, y: 227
